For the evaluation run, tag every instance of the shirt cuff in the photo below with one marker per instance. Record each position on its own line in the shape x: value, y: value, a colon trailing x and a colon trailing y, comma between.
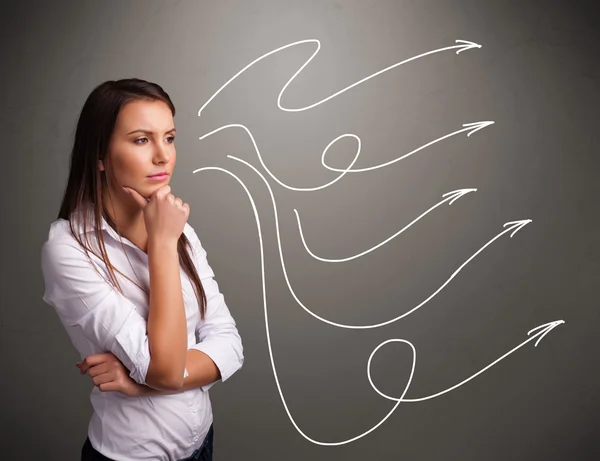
x: 126, y: 342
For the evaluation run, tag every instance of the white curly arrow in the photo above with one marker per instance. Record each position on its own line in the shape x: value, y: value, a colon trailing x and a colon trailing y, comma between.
x: 543, y: 331
x: 463, y: 46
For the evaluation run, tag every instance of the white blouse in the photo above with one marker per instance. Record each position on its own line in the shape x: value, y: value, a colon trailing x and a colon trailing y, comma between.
x: 100, y: 319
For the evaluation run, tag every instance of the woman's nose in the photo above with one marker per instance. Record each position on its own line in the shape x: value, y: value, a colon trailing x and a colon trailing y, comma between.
x: 162, y: 155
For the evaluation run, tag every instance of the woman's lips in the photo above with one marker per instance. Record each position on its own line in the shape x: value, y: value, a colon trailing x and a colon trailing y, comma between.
x: 159, y: 177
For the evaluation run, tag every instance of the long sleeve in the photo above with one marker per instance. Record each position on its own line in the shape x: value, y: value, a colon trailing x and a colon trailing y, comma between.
x: 91, y: 308
x: 218, y: 335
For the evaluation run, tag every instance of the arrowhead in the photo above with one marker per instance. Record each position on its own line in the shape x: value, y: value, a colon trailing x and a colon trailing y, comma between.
x: 517, y: 225
x: 477, y: 126
x: 456, y: 194
x: 467, y: 45
x: 544, y: 329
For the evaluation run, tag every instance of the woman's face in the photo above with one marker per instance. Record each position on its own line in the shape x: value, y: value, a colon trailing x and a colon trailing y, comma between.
x: 142, y: 144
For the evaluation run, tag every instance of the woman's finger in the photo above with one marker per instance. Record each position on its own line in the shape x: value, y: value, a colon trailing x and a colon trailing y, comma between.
x: 103, y: 378
x: 139, y: 198
x: 99, y: 369
x: 111, y: 386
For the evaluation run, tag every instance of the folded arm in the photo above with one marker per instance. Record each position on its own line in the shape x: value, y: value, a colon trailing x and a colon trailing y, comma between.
x: 90, y: 308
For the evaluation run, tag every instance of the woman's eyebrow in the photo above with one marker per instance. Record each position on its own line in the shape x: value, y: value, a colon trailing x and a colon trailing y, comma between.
x: 172, y: 130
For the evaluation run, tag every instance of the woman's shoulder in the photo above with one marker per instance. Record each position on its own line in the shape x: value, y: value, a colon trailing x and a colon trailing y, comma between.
x: 64, y: 230
x: 60, y: 232
x: 60, y: 242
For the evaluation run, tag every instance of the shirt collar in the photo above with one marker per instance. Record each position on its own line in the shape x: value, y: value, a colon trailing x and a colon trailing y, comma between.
x: 76, y: 219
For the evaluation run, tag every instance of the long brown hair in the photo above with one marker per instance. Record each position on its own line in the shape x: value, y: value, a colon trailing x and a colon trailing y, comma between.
x: 84, y: 187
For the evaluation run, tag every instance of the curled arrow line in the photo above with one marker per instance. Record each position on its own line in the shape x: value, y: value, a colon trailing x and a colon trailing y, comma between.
x: 470, y: 127
x: 463, y: 46
x: 544, y: 330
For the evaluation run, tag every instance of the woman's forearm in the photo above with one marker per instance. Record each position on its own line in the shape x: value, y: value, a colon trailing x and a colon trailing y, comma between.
x: 167, y: 325
x: 147, y: 391
x: 202, y: 370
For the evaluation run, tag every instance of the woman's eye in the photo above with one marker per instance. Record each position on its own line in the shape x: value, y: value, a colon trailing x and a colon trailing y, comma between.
x: 172, y: 138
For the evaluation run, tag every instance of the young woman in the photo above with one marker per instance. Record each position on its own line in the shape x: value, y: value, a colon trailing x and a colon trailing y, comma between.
x: 130, y: 282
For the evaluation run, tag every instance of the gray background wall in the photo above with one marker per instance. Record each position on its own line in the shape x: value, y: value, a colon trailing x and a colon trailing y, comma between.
x: 536, y: 76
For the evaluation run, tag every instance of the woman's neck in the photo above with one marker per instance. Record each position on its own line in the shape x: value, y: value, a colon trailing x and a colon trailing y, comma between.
x: 129, y: 220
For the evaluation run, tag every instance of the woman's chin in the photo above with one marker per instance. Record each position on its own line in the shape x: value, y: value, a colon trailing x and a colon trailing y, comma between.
x: 149, y: 190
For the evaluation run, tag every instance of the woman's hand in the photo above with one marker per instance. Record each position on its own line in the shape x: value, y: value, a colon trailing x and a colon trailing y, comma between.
x: 109, y: 374
x: 164, y: 214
